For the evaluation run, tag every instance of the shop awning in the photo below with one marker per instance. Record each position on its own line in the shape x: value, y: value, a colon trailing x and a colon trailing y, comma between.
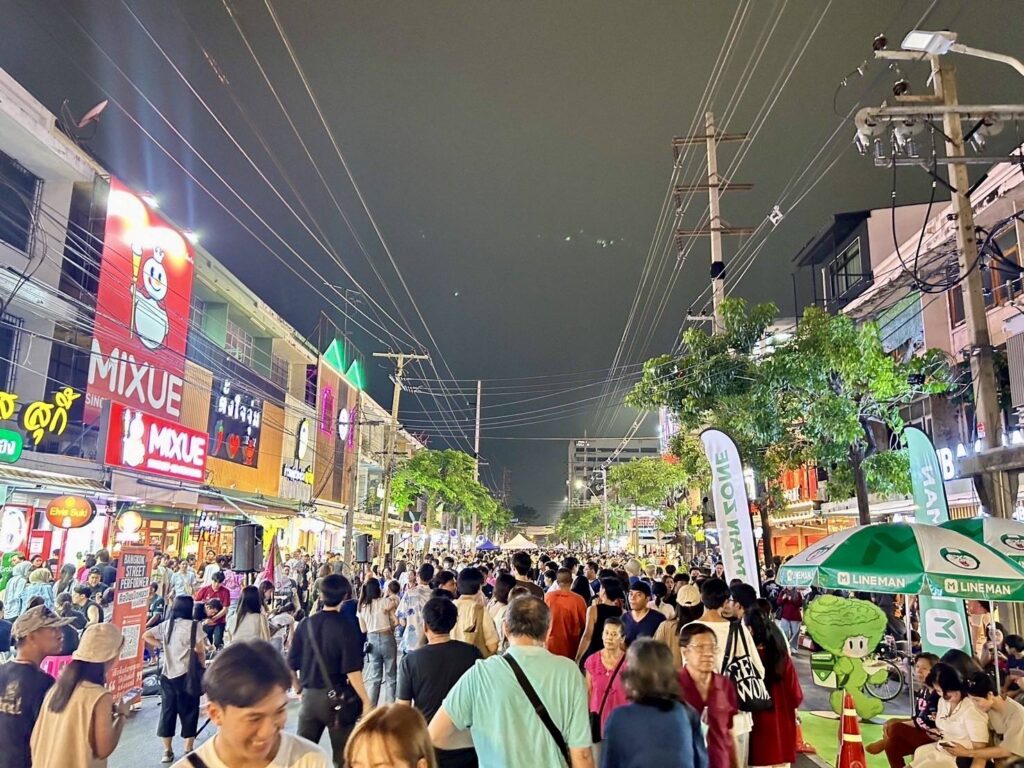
x: 39, y: 480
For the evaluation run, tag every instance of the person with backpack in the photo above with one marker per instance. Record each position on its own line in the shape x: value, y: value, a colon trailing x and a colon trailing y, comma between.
x: 184, y: 645
x: 475, y: 625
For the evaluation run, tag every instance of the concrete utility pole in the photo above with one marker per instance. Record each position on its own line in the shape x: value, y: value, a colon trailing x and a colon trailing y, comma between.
x: 400, y: 359
x: 716, y: 228
x: 350, y: 514
x: 476, y: 453
x: 604, y: 507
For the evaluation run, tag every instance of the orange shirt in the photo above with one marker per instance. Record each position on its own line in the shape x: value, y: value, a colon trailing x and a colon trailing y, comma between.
x: 568, y: 619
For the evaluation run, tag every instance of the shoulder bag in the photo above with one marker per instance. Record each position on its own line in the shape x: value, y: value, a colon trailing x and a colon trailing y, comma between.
x: 539, y: 708
x: 595, y: 717
x: 751, y: 692
x: 195, y: 671
x: 337, y: 700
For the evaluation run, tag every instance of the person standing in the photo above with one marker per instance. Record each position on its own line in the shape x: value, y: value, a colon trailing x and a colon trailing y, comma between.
x: 656, y: 728
x: 475, y: 625
x: 16, y: 586
x: 216, y: 622
x: 608, y: 605
x: 377, y: 620
x: 395, y: 736
x: 37, y: 633
x: 81, y: 598
x: 604, y: 677
x: 493, y: 700
x: 108, y: 571
x: 327, y: 655
x: 791, y: 604
x: 80, y: 724
x: 708, y: 692
x: 410, y: 608
x: 182, y: 581
x: 427, y: 674
x: 247, y: 687
x: 522, y: 564
x: 568, y: 616
x: 773, y: 738
x: 181, y: 639
x: 640, y: 620
x: 249, y: 622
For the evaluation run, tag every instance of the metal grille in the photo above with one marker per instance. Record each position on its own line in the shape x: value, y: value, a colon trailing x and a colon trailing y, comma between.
x: 1015, y: 361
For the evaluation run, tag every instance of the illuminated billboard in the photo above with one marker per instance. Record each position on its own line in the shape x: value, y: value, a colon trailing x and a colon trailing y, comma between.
x: 142, y: 311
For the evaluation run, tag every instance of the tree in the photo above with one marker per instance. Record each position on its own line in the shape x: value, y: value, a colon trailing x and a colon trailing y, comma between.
x: 580, y: 525
x: 445, y: 477
x: 655, y: 483
x: 838, y: 391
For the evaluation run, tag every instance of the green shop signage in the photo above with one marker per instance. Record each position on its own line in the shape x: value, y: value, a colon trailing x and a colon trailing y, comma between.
x: 11, y: 446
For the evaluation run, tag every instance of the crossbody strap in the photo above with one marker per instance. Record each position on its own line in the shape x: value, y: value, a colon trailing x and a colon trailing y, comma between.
x: 328, y: 685
x: 538, y: 707
x: 611, y: 682
x: 196, y: 761
x: 730, y: 646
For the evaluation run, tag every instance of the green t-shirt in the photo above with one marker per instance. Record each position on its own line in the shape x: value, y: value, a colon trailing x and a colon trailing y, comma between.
x: 507, y: 733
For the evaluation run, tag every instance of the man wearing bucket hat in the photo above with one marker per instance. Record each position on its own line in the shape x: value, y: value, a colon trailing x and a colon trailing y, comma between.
x: 78, y: 724
x: 23, y: 685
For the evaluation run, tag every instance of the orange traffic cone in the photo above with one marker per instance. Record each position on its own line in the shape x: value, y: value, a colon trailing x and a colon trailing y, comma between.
x: 803, y: 747
x: 851, y: 744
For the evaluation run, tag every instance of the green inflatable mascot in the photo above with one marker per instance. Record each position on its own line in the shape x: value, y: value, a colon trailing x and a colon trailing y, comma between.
x: 850, y: 630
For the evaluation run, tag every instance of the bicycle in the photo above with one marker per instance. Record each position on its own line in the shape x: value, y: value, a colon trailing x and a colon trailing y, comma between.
x: 892, y: 658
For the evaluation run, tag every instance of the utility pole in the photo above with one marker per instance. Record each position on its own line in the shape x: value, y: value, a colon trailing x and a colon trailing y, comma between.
x: 476, y: 453
x: 604, y: 507
x: 716, y: 227
x: 400, y: 359
x: 350, y: 514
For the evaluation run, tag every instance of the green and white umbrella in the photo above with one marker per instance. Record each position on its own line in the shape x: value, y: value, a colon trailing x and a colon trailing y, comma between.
x: 1004, y: 536
x: 906, y: 559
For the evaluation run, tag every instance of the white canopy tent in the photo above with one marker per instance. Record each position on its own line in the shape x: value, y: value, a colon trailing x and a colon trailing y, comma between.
x: 519, y: 542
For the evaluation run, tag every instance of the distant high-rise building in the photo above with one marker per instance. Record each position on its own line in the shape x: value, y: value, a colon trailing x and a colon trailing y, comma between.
x: 587, y: 455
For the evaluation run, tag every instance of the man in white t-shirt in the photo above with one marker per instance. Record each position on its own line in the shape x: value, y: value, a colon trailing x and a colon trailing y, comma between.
x: 247, y: 687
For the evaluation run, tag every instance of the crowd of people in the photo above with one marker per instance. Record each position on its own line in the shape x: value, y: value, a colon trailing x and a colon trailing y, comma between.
x: 461, y: 659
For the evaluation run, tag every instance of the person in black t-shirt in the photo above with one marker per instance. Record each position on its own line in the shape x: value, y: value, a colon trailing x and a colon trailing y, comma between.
x: 108, y: 571
x: 340, y: 642
x: 5, y: 633
x: 427, y: 674
x: 37, y: 634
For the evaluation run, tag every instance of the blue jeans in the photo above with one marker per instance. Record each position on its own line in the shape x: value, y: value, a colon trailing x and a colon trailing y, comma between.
x: 381, y: 665
x: 791, y: 629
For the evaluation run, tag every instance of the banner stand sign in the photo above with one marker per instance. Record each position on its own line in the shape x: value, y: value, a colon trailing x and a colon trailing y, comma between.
x: 131, y: 606
x: 943, y: 619
x: 732, y: 509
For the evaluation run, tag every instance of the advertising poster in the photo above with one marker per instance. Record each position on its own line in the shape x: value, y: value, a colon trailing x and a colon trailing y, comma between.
x: 146, y: 443
x: 142, y: 311
x: 131, y: 605
x: 234, y: 423
x: 732, y: 510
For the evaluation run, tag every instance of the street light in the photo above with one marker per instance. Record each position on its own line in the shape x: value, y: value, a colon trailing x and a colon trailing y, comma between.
x: 943, y: 42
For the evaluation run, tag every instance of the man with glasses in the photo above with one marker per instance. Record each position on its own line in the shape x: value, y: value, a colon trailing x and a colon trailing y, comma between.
x: 23, y: 685
x: 711, y: 694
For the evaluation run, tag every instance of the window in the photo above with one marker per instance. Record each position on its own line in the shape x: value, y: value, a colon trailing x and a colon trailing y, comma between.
x: 1009, y: 283
x: 197, y: 315
x: 18, y: 195
x: 845, y: 270
x: 9, y: 333
x: 239, y: 343
x: 279, y: 371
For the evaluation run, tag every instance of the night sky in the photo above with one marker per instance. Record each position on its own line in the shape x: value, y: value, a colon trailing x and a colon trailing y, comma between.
x: 515, y: 157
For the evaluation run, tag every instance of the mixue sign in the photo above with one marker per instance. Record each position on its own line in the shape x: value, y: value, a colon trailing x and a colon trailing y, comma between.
x: 142, y: 311
x: 147, y: 443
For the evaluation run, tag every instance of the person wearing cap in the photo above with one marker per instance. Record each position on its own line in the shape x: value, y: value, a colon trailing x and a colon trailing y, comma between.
x: 37, y: 633
x: 1005, y: 717
x: 79, y: 725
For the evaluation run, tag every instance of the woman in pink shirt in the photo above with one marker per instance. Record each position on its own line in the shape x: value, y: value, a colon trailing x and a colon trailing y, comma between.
x: 604, y: 675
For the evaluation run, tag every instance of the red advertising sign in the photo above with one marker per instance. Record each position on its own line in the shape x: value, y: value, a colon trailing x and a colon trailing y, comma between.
x: 131, y: 605
x: 142, y: 310
x: 147, y: 443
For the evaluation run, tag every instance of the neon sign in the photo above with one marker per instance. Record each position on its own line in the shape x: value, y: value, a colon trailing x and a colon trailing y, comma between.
x: 39, y: 418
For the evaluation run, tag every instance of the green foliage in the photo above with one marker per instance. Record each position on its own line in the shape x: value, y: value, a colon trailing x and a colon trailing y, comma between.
x: 446, y: 477
x: 651, y: 482
x: 580, y: 525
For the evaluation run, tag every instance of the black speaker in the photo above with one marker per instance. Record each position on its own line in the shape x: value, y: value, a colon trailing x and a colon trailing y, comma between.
x: 248, y: 553
x: 362, y: 548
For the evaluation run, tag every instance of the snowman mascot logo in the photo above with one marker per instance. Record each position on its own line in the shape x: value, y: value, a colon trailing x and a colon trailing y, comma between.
x: 149, y: 315
x: 133, y: 447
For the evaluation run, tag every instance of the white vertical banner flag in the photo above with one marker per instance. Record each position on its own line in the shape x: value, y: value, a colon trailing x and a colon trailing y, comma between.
x: 732, y: 510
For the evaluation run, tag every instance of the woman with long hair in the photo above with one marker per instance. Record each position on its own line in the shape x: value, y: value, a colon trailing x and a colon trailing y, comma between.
x: 652, y: 685
x: 250, y: 621
x: 498, y: 606
x: 608, y: 605
x: 377, y: 619
x: 180, y: 637
x: 315, y: 602
x: 773, y: 738
x: 394, y: 735
x: 79, y: 724
x: 66, y: 580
